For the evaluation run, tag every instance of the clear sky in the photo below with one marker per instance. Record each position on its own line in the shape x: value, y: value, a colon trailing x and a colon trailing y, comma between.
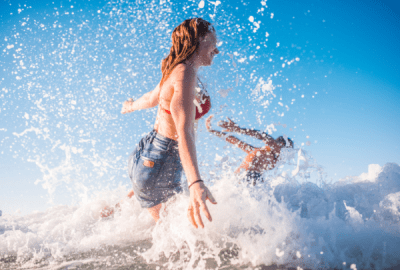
x: 66, y: 67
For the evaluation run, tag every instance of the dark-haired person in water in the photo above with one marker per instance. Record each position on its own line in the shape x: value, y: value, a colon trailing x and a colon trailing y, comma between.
x: 258, y: 160
x: 155, y: 166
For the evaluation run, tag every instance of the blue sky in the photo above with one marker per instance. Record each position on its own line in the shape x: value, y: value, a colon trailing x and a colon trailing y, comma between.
x: 80, y: 60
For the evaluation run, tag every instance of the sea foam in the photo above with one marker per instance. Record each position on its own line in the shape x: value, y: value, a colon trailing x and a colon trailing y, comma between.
x: 283, y: 222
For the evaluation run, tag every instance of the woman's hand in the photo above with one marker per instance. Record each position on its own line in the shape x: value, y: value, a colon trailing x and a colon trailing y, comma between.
x: 199, y: 193
x: 208, y: 122
x: 127, y: 106
x: 229, y: 126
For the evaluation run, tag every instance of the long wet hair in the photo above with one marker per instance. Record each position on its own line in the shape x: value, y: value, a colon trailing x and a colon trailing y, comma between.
x: 185, y: 42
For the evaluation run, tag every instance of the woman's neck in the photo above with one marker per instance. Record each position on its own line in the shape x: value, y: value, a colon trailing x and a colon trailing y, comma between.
x: 193, y: 62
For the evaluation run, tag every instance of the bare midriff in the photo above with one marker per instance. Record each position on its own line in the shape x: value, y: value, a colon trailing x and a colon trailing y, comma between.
x: 164, y: 124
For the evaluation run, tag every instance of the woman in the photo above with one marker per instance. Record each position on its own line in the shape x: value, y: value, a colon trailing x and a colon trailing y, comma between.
x: 155, y: 166
x: 258, y: 159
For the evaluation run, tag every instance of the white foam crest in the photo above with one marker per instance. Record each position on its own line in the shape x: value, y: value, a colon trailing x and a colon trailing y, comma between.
x: 292, y: 223
x: 252, y: 223
x: 63, y: 230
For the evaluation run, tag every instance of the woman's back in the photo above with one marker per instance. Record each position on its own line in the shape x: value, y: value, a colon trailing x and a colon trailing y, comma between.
x: 164, y: 122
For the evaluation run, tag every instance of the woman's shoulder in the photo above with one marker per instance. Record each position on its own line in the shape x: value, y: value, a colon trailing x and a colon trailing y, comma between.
x: 183, y: 70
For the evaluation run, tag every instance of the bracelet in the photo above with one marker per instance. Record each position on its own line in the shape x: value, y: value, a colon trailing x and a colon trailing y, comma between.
x: 195, y: 183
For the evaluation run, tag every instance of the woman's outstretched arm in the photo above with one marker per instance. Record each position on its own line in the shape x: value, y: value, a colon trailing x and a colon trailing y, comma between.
x: 230, y: 139
x: 231, y: 126
x: 148, y: 100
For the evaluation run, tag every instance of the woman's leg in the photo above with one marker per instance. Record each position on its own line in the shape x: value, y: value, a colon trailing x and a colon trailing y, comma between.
x: 155, y: 211
x: 130, y: 194
x: 108, y: 210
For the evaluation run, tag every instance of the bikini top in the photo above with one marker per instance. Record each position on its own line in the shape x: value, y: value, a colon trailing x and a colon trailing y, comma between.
x: 203, y: 103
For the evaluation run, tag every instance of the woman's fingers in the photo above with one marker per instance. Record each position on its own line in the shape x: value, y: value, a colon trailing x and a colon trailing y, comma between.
x: 126, y: 106
x: 123, y: 111
x: 222, y: 124
x: 208, y: 122
x: 226, y: 124
x: 203, y: 204
x: 205, y: 211
x: 199, y: 194
x: 231, y: 123
x: 197, y: 216
x: 191, y: 216
x: 211, y: 198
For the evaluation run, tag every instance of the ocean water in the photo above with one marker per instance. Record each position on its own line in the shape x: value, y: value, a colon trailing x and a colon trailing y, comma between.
x: 281, y: 222
x: 67, y: 69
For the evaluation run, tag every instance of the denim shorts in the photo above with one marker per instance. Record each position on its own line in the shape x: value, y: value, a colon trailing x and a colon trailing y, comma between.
x: 155, y: 169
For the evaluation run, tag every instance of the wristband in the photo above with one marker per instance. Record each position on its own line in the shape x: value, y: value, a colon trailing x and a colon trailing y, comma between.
x: 195, y: 183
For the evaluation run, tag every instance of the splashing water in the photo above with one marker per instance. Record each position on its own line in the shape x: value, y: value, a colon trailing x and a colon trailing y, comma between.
x: 66, y: 71
x: 280, y: 222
